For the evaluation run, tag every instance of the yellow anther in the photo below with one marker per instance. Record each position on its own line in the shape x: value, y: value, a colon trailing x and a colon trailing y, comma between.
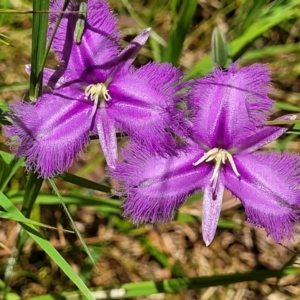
x: 96, y: 91
x: 219, y: 156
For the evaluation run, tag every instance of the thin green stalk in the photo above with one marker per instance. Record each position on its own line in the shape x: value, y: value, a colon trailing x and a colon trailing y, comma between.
x: 282, y: 122
x: 39, y: 55
x: 39, y: 39
x: 175, y: 285
x: 179, y: 31
x: 71, y: 178
x: 48, y: 47
x: 48, y: 248
x: 71, y: 220
x: 31, y: 192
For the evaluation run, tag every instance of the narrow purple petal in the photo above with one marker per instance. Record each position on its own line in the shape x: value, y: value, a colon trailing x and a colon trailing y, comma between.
x: 211, y: 212
x: 99, y: 45
x: 107, y: 136
x: 156, y: 186
x: 50, y: 133
x: 143, y: 105
x: 253, y: 140
x: 129, y: 54
x: 94, y: 49
x: 227, y: 104
x: 269, y: 190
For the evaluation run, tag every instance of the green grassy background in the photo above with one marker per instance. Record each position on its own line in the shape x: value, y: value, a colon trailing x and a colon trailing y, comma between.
x: 164, y: 261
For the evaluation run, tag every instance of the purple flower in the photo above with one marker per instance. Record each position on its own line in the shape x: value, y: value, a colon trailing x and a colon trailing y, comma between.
x: 95, y: 90
x: 228, y: 112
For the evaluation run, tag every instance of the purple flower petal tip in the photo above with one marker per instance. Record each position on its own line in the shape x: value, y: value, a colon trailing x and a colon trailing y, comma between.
x: 211, y: 211
x: 50, y: 144
x: 240, y: 102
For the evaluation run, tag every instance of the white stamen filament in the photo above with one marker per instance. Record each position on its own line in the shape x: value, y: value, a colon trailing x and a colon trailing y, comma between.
x: 96, y: 92
x: 220, y: 156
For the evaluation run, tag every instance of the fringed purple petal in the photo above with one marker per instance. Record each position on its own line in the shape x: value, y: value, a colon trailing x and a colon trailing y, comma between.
x: 228, y: 104
x: 107, y: 137
x: 211, y: 212
x: 129, y: 54
x: 269, y: 190
x: 63, y: 38
x: 100, y: 15
x: 253, y: 140
x: 50, y: 133
x: 156, y: 186
x: 99, y: 44
x: 56, y: 7
x: 143, y: 105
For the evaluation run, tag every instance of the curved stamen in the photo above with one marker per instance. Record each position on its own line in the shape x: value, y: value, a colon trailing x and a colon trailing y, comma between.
x: 208, y: 156
x: 219, y: 156
x: 218, y: 164
x: 233, y: 166
x: 96, y: 91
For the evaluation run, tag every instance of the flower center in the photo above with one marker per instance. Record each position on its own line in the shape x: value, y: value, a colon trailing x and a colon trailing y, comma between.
x: 97, y: 92
x: 219, y: 156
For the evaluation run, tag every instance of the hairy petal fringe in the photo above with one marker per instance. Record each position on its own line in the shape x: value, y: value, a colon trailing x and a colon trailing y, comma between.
x: 269, y: 190
x: 156, y: 186
x: 149, y: 114
x: 100, y: 41
x: 50, y: 142
x: 227, y: 104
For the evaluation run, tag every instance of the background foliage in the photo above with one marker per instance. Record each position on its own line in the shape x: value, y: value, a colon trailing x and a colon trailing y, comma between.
x: 164, y: 258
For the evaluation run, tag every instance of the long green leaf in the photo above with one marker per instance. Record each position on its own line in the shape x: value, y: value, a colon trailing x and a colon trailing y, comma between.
x: 71, y: 220
x: 32, y: 190
x: 162, y: 258
x: 276, y: 16
x: 155, y: 39
x: 39, y: 38
x: 13, y: 167
x: 104, y: 205
x: 9, y: 216
x: 177, y: 285
x: 250, y: 11
x: 271, y: 51
x: 47, y: 247
x: 179, y: 31
x: 84, y: 182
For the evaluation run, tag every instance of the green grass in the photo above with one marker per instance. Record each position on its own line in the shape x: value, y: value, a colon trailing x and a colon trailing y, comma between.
x: 163, y: 258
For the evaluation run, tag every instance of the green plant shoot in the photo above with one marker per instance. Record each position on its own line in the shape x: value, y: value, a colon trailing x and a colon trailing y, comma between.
x: 80, y: 24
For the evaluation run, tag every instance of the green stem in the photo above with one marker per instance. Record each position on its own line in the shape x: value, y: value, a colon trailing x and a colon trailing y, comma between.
x: 31, y: 192
x: 39, y: 39
x: 175, y: 285
x: 66, y: 3
x: 282, y: 122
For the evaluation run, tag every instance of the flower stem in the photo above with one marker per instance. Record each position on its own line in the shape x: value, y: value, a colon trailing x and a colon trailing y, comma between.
x: 39, y: 38
x: 283, y: 122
